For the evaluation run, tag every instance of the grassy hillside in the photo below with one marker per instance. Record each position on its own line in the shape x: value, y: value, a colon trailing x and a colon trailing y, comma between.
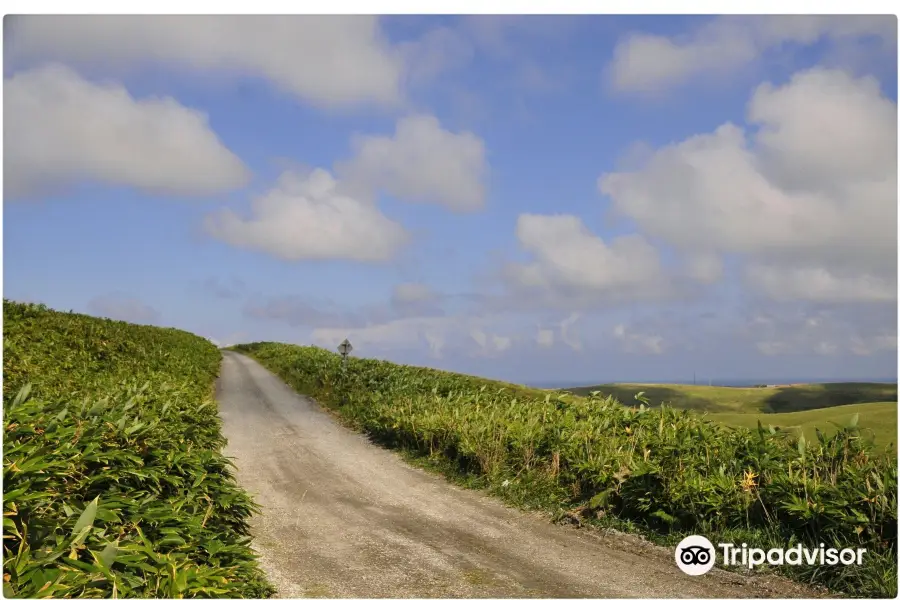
x: 113, y: 479
x: 664, y: 472
x: 877, y: 420
x: 716, y: 399
x: 796, y: 408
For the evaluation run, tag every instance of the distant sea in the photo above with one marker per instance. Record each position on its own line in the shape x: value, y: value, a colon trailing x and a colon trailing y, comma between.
x: 718, y: 382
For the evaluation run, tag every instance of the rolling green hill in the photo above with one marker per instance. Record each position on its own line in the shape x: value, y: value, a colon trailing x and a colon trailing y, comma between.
x: 716, y: 399
x: 877, y: 420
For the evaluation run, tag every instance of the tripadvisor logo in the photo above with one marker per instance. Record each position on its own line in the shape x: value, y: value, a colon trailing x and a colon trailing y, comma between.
x: 695, y: 555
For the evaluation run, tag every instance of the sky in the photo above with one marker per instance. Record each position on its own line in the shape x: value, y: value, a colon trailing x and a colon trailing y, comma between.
x: 548, y: 198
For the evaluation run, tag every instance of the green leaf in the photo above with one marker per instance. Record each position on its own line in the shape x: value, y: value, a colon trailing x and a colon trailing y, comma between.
x: 108, y: 556
x: 600, y: 500
x: 87, y: 517
x: 664, y: 516
x: 23, y: 394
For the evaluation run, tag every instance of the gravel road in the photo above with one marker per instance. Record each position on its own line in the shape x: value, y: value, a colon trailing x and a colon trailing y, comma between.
x: 344, y: 518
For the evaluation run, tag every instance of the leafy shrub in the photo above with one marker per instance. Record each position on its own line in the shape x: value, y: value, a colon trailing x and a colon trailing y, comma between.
x: 114, y: 484
x: 667, y: 471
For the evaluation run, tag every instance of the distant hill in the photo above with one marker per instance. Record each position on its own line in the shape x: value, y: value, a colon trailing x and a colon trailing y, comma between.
x: 795, y: 407
x: 778, y: 399
x: 877, y: 420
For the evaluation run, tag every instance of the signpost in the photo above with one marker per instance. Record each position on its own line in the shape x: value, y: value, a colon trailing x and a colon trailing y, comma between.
x: 345, y: 348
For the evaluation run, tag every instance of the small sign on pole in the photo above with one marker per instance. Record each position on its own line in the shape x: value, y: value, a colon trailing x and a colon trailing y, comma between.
x: 345, y: 348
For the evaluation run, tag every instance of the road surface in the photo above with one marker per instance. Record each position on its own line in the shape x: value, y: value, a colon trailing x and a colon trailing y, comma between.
x: 344, y: 518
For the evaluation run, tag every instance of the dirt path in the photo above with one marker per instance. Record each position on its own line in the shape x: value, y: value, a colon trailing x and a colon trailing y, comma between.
x: 344, y: 518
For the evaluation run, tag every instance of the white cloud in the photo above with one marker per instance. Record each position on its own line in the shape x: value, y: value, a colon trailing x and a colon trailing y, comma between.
x: 501, y: 343
x: 308, y: 217
x: 823, y: 332
x: 825, y: 127
x: 480, y: 337
x: 570, y: 337
x: 651, y: 63
x: 638, y: 343
x: 422, y: 162
x: 436, y: 52
x: 327, y: 60
x: 865, y: 346
x: 122, y: 307
x: 435, y: 343
x: 490, y: 344
x: 60, y: 129
x: 434, y: 334
x: 818, y: 284
x: 545, y: 337
x: 403, y: 333
x: 821, y: 208
x: 705, y: 268
x: 567, y: 255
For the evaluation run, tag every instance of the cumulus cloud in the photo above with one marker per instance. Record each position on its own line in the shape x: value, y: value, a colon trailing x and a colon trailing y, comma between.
x: 308, y: 217
x: 569, y: 259
x: 123, y: 307
x: 422, y: 162
x: 651, y: 63
x: 61, y: 129
x: 812, y: 195
x: 326, y: 60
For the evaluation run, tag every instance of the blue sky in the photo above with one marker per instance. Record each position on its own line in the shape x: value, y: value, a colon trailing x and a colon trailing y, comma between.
x: 603, y: 198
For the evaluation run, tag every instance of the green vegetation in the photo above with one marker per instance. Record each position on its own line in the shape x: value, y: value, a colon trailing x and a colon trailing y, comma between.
x: 114, y: 484
x: 664, y: 472
x: 805, y: 407
x: 876, y: 420
x: 716, y: 399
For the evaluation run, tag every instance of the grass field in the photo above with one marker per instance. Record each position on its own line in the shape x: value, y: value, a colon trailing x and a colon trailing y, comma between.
x: 114, y: 484
x: 877, y: 421
x: 666, y: 473
x: 796, y: 408
x: 716, y: 399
